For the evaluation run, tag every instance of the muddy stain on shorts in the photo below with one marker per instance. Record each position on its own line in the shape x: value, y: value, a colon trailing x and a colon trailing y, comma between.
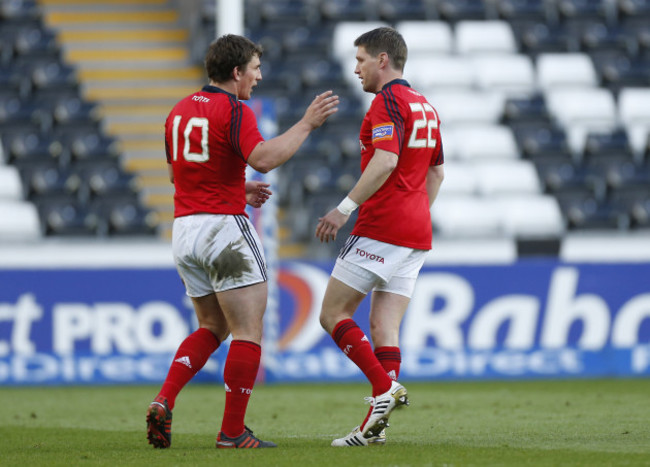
x: 231, y: 262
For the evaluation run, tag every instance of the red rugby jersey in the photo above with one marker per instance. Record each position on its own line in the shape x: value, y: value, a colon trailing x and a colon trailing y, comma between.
x: 208, y: 138
x: 401, y: 121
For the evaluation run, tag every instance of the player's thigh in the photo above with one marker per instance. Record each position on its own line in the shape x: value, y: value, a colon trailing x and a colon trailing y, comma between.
x: 341, y: 299
x: 244, y: 309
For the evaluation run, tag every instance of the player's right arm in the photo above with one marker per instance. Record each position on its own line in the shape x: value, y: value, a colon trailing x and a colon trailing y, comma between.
x: 270, y: 154
x: 435, y: 175
x: 374, y: 176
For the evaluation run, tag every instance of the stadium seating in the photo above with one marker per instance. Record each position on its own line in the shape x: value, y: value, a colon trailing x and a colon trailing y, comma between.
x: 57, y: 159
x: 483, y: 37
x: 545, y: 108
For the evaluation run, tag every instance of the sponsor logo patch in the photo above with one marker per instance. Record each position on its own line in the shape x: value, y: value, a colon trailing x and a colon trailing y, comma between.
x: 383, y: 131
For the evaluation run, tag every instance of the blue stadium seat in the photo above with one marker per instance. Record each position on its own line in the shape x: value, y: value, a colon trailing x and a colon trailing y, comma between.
x: 542, y: 143
x: 67, y: 216
x: 617, y: 70
x: 535, y: 37
x: 271, y: 38
x: 529, y: 10
x: 580, y: 10
x: 406, y: 10
x: 51, y: 76
x: 13, y: 82
x: 30, y: 144
x: 613, y: 145
x: 560, y: 177
x: 18, y: 114
x: 86, y: 142
x: 20, y: 11
x: 306, y: 41
x: 635, y: 10
x: 46, y: 180
x: 36, y: 42
x: 287, y: 12
x: 598, y: 37
x: 122, y: 215
x: 106, y: 178
x: 527, y: 110
x: 347, y: 10
x: 73, y: 110
x: 458, y: 10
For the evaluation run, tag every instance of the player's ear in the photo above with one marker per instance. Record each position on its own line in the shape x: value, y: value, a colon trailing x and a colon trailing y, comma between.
x: 235, y: 73
x: 384, y: 60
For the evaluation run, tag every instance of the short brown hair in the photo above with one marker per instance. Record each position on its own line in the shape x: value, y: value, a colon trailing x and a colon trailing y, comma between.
x: 228, y: 52
x: 387, y: 40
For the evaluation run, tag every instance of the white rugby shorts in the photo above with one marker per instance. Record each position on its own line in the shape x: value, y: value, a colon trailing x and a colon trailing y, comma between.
x: 366, y: 264
x: 217, y: 252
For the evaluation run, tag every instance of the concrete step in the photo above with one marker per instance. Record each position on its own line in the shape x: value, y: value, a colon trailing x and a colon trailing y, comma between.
x: 154, y: 93
x: 109, y: 16
x: 152, y: 34
x: 145, y: 165
x: 115, y: 54
x: 133, y: 59
x: 80, y: 4
x: 127, y: 73
x: 155, y: 179
x: 157, y: 200
x: 144, y: 148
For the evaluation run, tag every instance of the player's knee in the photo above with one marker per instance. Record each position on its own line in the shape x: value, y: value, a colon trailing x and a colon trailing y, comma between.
x: 329, y: 320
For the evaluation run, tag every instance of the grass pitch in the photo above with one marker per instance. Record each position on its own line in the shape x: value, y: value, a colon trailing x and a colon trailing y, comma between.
x: 546, y: 423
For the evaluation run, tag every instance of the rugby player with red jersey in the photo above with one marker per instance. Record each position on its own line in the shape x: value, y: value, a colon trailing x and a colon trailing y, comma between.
x: 402, y: 170
x: 210, y: 137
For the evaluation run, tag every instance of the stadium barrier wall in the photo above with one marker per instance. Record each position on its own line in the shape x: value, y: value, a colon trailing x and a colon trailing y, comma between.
x: 528, y: 319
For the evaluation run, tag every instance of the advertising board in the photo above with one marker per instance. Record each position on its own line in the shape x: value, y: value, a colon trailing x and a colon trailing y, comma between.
x: 531, y: 319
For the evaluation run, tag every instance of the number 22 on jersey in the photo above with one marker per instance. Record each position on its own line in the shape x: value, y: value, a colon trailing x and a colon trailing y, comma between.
x: 430, y: 124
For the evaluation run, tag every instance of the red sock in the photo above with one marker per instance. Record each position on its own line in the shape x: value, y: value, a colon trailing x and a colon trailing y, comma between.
x: 239, y: 375
x: 390, y: 358
x: 190, y: 357
x: 354, y: 343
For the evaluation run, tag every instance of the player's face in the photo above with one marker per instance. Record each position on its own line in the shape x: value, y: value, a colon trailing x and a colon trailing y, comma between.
x: 249, y: 78
x: 367, y: 69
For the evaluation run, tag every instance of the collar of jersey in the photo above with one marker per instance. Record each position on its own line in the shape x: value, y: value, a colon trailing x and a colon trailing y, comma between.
x: 403, y: 82
x: 209, y: 88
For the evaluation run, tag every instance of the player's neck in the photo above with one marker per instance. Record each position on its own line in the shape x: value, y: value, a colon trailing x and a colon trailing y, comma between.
x: 387, y: 78
x: 228, y: 86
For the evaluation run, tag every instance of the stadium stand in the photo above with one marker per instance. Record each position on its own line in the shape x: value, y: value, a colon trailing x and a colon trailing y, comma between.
x: 54, y: 137
x: 545, y: 109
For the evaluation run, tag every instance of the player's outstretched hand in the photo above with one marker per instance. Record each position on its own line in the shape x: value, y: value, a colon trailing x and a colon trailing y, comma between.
x: 323, y: 105
x: 257, y: 193
x: 330, y: 224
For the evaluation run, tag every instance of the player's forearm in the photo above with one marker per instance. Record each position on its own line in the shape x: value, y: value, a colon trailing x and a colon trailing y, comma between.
x: 374, y: 176
x: 272, y: 153
x: 435, y: 176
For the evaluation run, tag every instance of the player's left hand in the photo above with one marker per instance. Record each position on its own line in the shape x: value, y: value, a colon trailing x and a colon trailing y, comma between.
x: 257, y: 193
x: 330, y: 224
